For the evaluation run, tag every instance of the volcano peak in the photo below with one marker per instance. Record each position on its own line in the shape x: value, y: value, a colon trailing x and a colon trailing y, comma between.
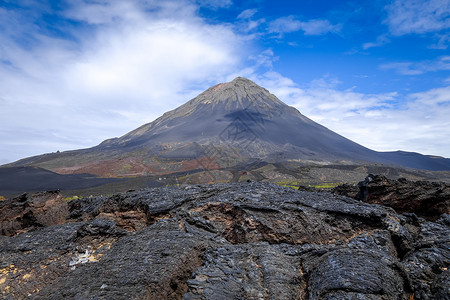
x: 239, y: 84
x: 242, y: 81
x: 240, y: 93
x: 244, y: 121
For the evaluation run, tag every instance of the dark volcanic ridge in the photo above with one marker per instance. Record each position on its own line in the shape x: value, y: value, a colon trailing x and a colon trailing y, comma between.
x: 16, y: 180
x: 228, y: 124
x: 223, y: 241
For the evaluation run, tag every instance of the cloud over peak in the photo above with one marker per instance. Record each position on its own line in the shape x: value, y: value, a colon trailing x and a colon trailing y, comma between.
x: 123, y: 64
x: 311, y: 27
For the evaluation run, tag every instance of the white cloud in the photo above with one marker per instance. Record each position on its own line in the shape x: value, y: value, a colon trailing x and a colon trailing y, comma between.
x: 442, y: 43
x: 319, y: 27
x: 161, y: 54
x: 385, y: 122
x: 418, y: 16
x: 215, y: 4
x: 419, y: 67
x: 248, y: 13
x: 405, y: 68
x: 310, y: 27
x: 380, y: 41
x: 264, y: 59
x: 434, y: 97
x: 104, y: 13
x: 131, y: 63
x: 249, y: 26
x: 285, y: 25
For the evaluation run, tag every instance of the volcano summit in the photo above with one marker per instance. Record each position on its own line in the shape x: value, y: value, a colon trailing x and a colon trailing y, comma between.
x: 228, y: 124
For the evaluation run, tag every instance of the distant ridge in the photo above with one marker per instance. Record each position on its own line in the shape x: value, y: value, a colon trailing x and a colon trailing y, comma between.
x: 228, y: 124
x: 16, y: 180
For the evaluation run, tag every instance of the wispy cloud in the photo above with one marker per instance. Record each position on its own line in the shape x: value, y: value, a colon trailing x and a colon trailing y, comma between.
x: 310, y: 27
x: 438, y: 96
x: 215, y: 3
x: 405, y: 68
x: 425, y: 18
x: 248, y: 13
x: 247, y: 23
x: 319, y: 27
x: 285, y: 25
x: 419, y: 67
x: 264, y: 59
x: 418, y: 16
x: 442, y: 43
x: 380, y: 41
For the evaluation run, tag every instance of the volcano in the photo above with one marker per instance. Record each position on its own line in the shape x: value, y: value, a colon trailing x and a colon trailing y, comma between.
x: 228, y: 124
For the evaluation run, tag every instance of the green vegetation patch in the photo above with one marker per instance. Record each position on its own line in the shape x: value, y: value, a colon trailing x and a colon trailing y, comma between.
x: 71, y: 198
x: 288, y: 183
x: 325, y: 185
x: 296, y: 184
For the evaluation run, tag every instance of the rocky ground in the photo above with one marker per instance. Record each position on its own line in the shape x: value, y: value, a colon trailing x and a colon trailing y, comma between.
x: 424, y: 198
x: 222, y: 241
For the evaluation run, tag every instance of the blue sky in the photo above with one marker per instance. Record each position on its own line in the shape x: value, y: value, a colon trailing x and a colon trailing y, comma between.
x: 73, y: 73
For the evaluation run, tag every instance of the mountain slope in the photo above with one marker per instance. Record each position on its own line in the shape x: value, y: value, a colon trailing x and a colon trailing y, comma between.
x: 227, y: 124
x: 240, y: 113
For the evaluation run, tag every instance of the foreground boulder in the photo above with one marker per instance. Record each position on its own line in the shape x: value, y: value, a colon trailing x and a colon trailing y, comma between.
x: 424, y: 198
x: 31, y: 211
x: 228, y: 241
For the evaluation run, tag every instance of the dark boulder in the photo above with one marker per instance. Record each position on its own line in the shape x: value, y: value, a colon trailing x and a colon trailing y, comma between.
x: 31, y: 211
x: 425, y: 199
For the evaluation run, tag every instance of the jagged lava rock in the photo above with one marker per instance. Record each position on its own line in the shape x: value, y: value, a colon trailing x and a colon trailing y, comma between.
x: 426, y: 199
x: 30, y: 211
x: 228, y: 241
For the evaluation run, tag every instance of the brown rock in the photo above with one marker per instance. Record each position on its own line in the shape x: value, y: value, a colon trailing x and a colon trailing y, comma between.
x: 30, y: 211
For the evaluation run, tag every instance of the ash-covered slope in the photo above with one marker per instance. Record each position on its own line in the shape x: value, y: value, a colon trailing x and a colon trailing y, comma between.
x: 16, y: 180
x: 248, y: 119
x: 223, y: 241
x: 229, y: 123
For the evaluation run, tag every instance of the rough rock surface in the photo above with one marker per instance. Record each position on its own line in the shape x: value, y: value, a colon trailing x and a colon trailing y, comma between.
x: 30, y: 211
x: 426, y: 199
x: 228, y: 241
